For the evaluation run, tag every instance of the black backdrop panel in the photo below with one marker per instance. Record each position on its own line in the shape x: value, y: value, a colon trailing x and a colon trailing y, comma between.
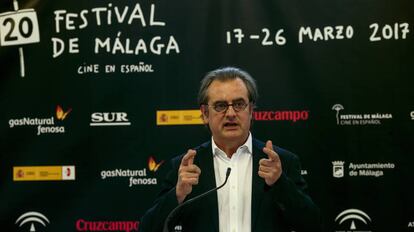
x: 81, y: 84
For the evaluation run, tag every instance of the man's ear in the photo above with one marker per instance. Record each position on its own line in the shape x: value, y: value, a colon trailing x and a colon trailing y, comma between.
x: 204, y: 113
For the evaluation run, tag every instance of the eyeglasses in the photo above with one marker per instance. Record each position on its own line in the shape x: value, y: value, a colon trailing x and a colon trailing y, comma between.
x: 224, y: 106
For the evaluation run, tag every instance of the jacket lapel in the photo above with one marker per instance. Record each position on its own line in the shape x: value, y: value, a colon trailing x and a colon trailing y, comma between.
x: 207, y: 181
x: 258, y: 182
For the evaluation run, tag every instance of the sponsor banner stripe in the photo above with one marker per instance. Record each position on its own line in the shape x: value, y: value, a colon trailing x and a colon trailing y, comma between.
x: 179, y: 117
x: 43, y: 173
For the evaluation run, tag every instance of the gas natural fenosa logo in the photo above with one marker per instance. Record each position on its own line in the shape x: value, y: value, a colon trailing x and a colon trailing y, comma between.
x: 44, y: 125
x: 60, y: 113
x: 153, y: 165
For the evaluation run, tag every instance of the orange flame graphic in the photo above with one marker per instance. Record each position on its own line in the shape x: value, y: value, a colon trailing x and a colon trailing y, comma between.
x: 152, y: 165
x: 60, y: 114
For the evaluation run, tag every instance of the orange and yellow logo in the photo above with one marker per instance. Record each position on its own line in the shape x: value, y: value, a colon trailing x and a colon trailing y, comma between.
x: 43, y: 173
x: 152, y: 164
x: 60, y: 114
x: 179, y: 117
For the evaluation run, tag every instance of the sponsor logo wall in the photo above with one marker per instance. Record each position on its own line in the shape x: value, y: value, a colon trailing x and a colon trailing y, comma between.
x: 97, y: 97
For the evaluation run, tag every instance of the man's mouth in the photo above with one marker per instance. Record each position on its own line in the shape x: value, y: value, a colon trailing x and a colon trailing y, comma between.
x: 230, y: 124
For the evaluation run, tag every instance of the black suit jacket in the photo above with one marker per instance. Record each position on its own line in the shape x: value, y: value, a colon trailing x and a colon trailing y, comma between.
x: 281, y: 207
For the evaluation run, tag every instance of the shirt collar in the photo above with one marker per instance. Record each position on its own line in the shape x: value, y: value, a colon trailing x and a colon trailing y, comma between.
x: 247, y: 146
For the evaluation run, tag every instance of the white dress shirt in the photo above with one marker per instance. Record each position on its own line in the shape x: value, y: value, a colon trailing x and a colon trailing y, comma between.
x: 234, y: 199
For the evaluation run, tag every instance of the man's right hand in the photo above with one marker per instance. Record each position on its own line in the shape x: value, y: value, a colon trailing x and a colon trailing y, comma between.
x: 188, y: 175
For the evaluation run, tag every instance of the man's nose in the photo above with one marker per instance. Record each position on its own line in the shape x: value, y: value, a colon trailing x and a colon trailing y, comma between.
x: 230, y: 111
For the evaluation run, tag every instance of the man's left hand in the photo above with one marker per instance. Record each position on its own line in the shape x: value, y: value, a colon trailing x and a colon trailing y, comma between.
x: 270, y: 169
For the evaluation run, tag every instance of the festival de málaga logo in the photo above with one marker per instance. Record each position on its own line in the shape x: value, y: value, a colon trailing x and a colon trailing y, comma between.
x: 359, y: 119
x: 337, y: 108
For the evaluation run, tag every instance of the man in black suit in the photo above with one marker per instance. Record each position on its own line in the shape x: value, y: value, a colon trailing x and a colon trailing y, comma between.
x: 265, y: 191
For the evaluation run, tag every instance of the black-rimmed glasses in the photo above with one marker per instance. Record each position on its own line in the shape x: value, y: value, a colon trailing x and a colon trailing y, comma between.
x: 224, y: 106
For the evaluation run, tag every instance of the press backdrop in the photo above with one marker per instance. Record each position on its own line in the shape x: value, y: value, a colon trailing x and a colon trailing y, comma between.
x: 96, y: 96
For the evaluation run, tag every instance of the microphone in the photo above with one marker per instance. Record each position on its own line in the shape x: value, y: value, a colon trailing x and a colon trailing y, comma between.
x: 175, y: 210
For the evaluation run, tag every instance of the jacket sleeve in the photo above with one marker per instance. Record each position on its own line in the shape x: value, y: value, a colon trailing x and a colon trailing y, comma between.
x: 153, y: 220
x: 289, y: 195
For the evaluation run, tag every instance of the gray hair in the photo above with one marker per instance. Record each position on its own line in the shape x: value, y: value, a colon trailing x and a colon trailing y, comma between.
x: 227, y: 74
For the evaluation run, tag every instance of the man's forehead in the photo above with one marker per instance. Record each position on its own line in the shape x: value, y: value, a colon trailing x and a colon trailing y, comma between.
x: 228, y: 88
x: 231, y: 96
x: 226, y: 81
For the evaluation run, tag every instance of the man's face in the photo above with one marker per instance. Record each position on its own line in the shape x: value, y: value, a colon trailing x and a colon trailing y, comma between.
x: 228, y: 127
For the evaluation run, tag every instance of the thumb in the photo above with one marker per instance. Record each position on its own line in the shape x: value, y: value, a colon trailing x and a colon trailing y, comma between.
x: 269, y: 144
x: 269, y: 150
x: 188, y: 158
